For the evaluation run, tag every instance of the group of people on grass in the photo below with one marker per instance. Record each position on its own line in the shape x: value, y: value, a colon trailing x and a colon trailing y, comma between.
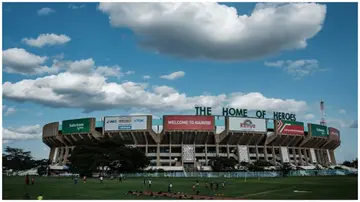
x: 27, y: 182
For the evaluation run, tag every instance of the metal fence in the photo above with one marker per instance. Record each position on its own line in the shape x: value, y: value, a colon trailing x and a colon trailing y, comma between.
x: 262, y: 174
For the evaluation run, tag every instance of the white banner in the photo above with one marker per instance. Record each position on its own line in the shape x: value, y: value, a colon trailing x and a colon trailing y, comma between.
x: 313, y: 156
x: 285, y: 155
x: 247, y: 124
x: 243, y: 153
x: 125, y: 123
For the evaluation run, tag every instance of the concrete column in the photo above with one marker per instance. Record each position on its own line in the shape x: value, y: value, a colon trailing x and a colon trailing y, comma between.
x: 170, y: 154
x: 265, y: 153
x: 66, y: 155
x: 206, y: 157
x: 273, y: 152
x: 158, y: 155
x: 257, y: 152
x: 228, y: 151
x: 294, y: 155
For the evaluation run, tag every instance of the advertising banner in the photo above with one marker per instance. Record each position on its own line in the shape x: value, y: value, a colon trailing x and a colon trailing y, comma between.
x: 76, y: 126
x: 189, y: 122
x: 318, y: 130
x: 247, y: 124
x: 334, y: 133
x: 289, y: 127
x: 125, y: 123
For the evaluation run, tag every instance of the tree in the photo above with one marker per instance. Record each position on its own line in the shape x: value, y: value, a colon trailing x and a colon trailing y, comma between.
x: 220, y: 164
x: 89, y: 157
x: 17, y: 159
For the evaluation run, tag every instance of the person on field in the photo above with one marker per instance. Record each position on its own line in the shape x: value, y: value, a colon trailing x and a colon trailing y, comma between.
x: 144, y: 182
x: 101, y: 179
x: 75, y: 180
x: 170, y: 188
x: 84, y: 179
x: 121, y: 178
x: 217, y: 186
x: 149, y: 183
x: 27, y: 179
x: 40, y: 197
x: 197, y: 183
x: 193, y: 187
x: 223, y: 184
x: 32, y: 181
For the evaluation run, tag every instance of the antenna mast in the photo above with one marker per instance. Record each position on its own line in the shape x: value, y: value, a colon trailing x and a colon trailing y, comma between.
x: 322, y: 111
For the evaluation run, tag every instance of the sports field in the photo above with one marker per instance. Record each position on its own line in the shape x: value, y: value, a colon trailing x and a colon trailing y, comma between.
x: 329, y: 187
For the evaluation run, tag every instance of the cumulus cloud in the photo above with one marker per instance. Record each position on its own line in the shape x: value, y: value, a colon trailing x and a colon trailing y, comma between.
x: 298, y: 68
x: 215, y: 31
x: 74, y: 7
x: 21, y: 133
x: 45, y: 11
x: 146, y: 77
x: 9, y: 111
x: 173, y: 76
x: 18, y: 60
x: 91, y: 91
x: 47, y: 40
x: 129, y: 72
x: 342, y: 111
x: 354, y: 124
x: 309, y: 116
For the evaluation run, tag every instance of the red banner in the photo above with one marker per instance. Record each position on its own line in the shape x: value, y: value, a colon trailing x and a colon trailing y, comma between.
x: 189, y: 122
x: 334, y: 133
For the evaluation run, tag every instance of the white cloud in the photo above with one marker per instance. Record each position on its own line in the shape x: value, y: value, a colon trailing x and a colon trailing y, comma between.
x: 144, y: 114
x: 342, y: 111
x: 39, y: 114
x: 21, y: 133
x: 45, y: 11
x: 354, y: 124
x: 90, y: 91
x: 174, y: 75
x: 18, y: 60
x: 47, y: 40
x: 146, y: 77
x: 217, y: 31
x: 298, y: 68
x: 74, y: 7
x: 129, y: 72
x: 309, y: 117
x: 109, y: 71
x: 10, y: 111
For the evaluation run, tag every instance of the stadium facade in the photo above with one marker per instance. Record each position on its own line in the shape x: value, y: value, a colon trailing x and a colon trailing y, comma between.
x: 189, y: 142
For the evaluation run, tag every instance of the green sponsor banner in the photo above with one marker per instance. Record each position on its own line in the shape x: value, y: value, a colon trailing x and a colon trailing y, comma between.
x: 319, y: 130
x: 76, y: 126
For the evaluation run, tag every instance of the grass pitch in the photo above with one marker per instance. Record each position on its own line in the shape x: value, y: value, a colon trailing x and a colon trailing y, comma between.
x: 326, y: 187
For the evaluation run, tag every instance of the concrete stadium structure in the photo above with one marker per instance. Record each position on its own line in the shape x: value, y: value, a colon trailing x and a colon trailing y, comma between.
x: 185, y: 142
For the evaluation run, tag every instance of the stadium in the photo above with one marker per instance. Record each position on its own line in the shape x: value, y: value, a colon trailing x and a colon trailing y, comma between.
x: 189, y: 142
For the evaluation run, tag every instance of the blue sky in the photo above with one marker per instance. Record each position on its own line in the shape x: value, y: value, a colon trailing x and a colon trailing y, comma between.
x: 64, y: 61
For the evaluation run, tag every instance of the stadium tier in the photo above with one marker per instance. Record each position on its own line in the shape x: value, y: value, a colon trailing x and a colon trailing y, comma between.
x: 189, y: 142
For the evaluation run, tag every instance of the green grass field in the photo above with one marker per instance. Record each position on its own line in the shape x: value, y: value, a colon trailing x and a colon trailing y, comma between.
x: 329, y: 187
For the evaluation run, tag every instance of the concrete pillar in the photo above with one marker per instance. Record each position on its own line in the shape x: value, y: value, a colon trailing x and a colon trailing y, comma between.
x: 228, y: 151
x: 206, y: 157
x: 158, y: 155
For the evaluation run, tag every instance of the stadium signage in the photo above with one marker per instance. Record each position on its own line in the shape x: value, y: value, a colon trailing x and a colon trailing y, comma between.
x: 261, y: 114
x: 334, y: 132
x: 318, y: 130
x: 189, y: 122
x: 76, y: 126
x: 289, y: 127
x: 125, y: 123
x: 247, y: 124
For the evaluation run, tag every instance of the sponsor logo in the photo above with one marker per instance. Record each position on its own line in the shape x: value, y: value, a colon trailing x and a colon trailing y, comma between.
x: 320, y: 130
x: 247, y: 124
x: 139, y: 120
x: 127, y: 127
x: 111, y: 121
